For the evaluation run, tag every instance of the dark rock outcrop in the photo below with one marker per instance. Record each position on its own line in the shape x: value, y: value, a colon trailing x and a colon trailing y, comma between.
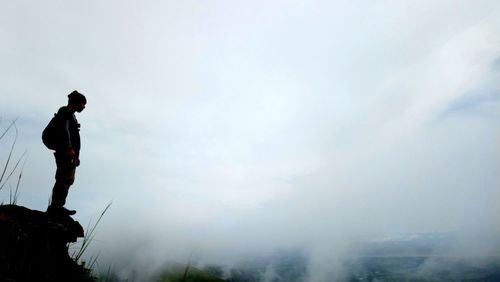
x: 34, y: 246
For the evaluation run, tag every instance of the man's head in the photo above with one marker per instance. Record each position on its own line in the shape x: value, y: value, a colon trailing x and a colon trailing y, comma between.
x: 77, y: 101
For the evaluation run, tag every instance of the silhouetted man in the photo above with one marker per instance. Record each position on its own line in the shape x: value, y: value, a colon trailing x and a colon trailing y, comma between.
x: 62, y: 135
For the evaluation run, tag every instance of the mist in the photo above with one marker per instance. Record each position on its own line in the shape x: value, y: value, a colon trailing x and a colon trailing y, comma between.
x: 226, y: 130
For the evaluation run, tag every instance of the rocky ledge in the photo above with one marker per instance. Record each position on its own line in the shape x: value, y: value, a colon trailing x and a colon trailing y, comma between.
x: 34, y: 246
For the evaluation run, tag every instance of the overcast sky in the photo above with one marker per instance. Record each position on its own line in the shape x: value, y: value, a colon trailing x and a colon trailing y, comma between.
x: 225, y: 127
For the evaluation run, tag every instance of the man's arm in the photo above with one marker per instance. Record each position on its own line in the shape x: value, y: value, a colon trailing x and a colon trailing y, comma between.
x: 65, y: 135
x: 69, y: 148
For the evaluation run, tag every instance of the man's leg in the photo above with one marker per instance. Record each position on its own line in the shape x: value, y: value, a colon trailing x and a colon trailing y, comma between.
x: 65, y: 176
x: 59, y: 194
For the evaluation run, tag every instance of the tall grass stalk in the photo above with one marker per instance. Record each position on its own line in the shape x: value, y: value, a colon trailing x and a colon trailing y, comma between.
x: 14, y: 196
x: 8, y: 128
x: 6, y: 172
x: 89, y: 236
x: 186, y: 270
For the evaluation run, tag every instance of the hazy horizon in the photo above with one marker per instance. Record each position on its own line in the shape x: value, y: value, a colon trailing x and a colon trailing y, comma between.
x: 227, y: 128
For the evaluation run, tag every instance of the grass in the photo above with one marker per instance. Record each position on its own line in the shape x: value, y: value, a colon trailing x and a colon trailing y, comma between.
x: 89, y: 237
x: 9, y: 170
x: 179, y: 273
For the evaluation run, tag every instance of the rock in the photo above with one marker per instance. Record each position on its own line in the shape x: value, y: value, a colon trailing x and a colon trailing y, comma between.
x: 34, y: 246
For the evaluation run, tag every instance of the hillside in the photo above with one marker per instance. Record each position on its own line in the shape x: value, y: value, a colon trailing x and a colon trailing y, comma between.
x: 179, y: 273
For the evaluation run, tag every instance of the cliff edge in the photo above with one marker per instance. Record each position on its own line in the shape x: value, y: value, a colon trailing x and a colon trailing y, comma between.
x: 34, y: 246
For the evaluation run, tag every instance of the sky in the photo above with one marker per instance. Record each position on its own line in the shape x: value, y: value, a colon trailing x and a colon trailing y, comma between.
x: 227, y: 128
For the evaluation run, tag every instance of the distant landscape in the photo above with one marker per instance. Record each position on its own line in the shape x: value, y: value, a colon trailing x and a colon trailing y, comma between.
x: 419, y: 257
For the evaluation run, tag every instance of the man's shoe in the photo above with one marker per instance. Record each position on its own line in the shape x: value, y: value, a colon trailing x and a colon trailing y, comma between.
x: 53, y: 210
x: 60, y: 211
x: 68, y: 212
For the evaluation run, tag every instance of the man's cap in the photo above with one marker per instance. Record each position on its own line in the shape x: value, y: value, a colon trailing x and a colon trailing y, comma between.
x: 76, y: 97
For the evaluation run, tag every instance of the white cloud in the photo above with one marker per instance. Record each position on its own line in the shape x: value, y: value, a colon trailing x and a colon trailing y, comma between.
x: 275, y: 123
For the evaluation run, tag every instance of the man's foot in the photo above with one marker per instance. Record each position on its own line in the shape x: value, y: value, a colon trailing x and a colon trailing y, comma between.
x: 69, y: 212
x: 60, y: 210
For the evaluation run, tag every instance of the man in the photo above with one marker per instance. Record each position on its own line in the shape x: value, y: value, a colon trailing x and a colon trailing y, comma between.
x: 64, y: 129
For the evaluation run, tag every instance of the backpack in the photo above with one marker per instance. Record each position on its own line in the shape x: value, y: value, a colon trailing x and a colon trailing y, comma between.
x: 49, y: 134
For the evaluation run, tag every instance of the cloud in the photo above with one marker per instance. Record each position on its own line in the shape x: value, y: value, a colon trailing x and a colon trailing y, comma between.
x: 236, y: 128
